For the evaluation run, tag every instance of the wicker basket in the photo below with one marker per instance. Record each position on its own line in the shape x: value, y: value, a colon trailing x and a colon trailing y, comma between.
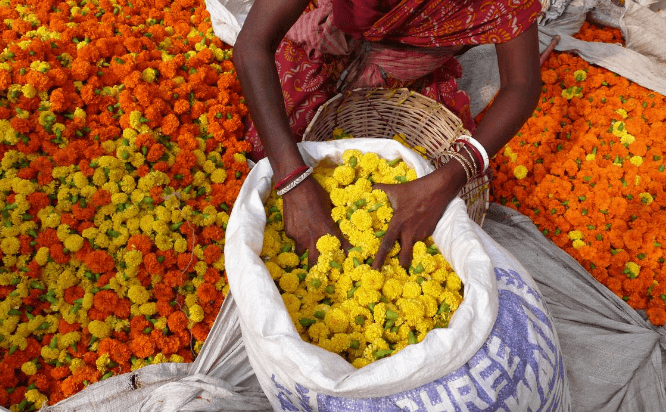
x: 382, y: 113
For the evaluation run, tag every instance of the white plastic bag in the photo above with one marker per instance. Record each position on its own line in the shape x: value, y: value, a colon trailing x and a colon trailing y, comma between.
x: 478, y: 362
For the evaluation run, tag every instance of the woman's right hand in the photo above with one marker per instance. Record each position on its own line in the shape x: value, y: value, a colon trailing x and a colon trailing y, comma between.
x: 307, y: 217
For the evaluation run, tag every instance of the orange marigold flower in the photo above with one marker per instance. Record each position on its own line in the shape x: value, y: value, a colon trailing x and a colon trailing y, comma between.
x: 105, y: 300
x: 177, y: 321
x: 142, y: 346
x: 99, y: 261
x: 206, y: 293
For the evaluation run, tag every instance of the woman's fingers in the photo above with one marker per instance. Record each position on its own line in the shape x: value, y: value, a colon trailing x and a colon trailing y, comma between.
x: 385, y: 247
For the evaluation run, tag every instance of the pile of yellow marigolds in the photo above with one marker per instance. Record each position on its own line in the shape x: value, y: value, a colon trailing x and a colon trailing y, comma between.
x: 343, y: 305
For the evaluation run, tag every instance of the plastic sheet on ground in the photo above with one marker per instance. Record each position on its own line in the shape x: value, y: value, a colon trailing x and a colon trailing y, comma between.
x: 613, y: 356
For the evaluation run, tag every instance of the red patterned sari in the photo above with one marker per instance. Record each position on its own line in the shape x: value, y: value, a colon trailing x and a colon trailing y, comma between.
x: 388, y: 43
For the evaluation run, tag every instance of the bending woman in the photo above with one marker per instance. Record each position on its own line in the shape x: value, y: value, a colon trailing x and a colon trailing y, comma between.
x: 388, y: 43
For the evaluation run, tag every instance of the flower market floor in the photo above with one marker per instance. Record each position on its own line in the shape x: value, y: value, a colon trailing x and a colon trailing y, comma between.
x: 122, y: 155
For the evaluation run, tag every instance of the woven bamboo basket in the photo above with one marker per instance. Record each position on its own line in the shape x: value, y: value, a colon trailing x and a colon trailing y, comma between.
x: 383, y: 113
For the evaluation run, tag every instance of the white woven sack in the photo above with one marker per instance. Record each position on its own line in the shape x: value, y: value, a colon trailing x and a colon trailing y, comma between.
x: 514, y: 363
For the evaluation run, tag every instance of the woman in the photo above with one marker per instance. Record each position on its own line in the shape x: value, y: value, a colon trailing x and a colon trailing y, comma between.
x: 384, y: 32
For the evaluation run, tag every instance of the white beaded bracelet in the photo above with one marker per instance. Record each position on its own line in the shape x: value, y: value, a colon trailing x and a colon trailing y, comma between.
x: 478, y: 147
x: 295, y: 182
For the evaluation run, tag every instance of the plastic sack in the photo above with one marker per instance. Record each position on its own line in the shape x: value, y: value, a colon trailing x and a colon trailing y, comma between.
x: 499, y: 352
x: 220, y: 379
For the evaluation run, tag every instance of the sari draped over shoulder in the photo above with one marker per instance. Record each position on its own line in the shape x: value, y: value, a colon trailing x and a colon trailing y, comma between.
x: 388, y: 43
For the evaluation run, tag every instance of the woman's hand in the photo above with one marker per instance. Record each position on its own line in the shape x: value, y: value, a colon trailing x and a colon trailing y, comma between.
x: 307, y: 217
x: 417, y: 207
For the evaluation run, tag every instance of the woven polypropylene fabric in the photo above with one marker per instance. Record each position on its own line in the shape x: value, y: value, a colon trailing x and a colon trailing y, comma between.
x: 613, y: 356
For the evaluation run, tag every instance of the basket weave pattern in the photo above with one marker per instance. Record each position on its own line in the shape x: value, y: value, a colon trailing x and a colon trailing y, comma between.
x: 382, y: 113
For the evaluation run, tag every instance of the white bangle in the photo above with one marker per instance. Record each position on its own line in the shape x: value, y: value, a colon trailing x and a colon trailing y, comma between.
x: 478, y: 147
x: 295, y: 182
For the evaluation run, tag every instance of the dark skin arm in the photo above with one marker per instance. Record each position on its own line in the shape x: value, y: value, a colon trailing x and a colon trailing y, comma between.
x: 307, y: 207
x: 418, y: 205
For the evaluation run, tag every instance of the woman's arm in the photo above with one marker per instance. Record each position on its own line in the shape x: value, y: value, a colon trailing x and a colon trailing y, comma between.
x: 419, y: 205
x: 307, y: 209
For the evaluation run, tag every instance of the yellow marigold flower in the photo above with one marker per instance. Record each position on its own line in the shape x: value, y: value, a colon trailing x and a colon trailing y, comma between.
x: 374, y: 332
x: 369, y: 162
x: 328, y: 244
x: 289, y: 282
x: 337, y: 320
x: 646, y: 198
x: 385, y: 213
x: 412, y: 310
x: 148, y: 75
x: 392, y: 289
x: 520, y: 172
x: 344, y: 174
x: 411, y: 290
x: 19, y: 341
x: 453, y: 282
x: 76, y: 364
x: 10, y: 245
x: 338, y: 213
x: 339, y: 197
x: 318, y: 332
x: 358, y: 363
x: 590, y: 157
x: 361, y: 219
x: 37, y: 398
x: 99, y: 329
x: 365, y: 296
x: 292, y: 303
x: 176, y: 358
x: 218, y: 176
x: 580, y: 75
x: 348, y: 154
x: 636, y: 160
x: 575, y: 235
x: 372, y: 279
x: 29, y: 368
x: 180, y: 245
x: 138, y: 294
x: 135, y: 119
x: 633, y: 268
x: 338, y: 343
x: 148, y: 309
x: 49, y: 354
x: 577, y: 244
x: 429, y: 304
x: 101, y: 362
x: 196, y: 313
x: 73, y: 242
x: 68, y: 339
x: 274, y: 269
x: 379, y: 313
x: 287, y: 259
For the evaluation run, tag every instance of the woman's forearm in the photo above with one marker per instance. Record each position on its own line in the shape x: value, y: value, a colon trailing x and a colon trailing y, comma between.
x: 254, y: 58
x: 261, y: 88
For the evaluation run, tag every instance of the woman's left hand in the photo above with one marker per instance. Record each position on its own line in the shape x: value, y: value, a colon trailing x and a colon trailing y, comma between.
x: 417, y: 207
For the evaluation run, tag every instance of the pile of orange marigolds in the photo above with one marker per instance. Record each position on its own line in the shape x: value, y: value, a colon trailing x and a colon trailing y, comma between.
x: 588, y: 169
x: 121, y: 155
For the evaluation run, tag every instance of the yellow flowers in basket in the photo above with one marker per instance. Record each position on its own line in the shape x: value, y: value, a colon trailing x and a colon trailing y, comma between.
x: 341, y: 304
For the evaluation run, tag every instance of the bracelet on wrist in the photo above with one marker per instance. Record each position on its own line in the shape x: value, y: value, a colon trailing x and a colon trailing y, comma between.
x: 295, y: 182
x: 290, y: 176
x: 479, y: 148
